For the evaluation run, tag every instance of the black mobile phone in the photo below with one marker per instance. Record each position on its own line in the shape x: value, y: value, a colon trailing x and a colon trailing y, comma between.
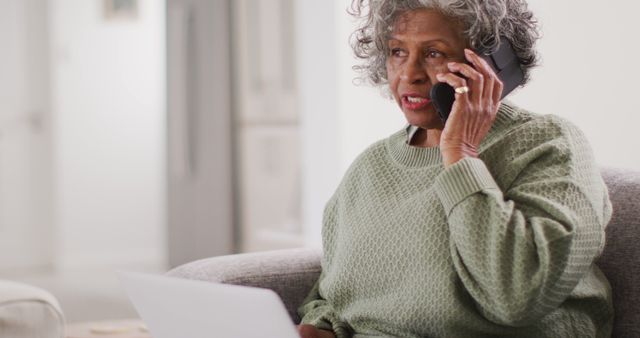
x: 503, y: 61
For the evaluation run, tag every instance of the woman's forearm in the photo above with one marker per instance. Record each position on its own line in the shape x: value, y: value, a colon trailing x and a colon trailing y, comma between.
x: 520, y: 255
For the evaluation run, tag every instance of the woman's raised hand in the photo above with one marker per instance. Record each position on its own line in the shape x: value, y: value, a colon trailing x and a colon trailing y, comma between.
x: 473, y: 112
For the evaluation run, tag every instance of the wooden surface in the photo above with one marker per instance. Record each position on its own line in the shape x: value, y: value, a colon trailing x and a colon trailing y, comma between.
x: 126, y: 328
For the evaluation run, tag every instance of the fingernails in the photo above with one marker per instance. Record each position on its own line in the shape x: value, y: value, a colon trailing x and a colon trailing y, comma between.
x: 469, y: 53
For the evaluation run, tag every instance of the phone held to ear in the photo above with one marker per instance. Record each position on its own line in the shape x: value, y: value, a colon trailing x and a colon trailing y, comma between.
x: 503, y: 61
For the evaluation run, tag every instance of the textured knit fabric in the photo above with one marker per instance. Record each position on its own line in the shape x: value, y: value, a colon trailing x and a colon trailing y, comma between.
x: 502, y: 245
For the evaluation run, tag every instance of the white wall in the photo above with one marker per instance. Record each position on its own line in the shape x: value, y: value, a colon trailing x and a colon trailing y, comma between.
x: 108, y: 85
x: 25, y: 144
x: 365, y: 114
x: 589, y: 74
x: 319, y: 122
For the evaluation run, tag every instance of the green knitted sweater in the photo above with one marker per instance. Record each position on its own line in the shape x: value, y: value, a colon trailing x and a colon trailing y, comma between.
x: 502, y: 245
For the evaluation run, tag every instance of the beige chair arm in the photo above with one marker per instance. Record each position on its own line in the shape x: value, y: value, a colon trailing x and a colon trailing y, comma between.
x: 27, y: 312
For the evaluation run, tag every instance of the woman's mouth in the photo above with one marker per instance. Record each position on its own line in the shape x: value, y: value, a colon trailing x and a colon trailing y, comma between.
x: 413, y: 102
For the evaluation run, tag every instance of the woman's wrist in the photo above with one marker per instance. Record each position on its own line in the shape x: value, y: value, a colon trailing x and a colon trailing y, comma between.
x: 451, y: 154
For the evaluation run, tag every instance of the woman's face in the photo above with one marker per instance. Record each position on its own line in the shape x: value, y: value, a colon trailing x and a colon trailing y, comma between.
x: 422, y: 43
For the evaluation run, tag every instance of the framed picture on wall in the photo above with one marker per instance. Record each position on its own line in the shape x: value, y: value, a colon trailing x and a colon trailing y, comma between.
x: 120, y: 9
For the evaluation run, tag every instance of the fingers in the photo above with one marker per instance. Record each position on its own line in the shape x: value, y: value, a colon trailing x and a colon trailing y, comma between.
x: 487, y: 73
x: 455, y: 81
x: 485, y: 90
x: 307, y: 331
x: 475, y: 79
x: 310, y: 331
x: 451, y: 79
x: 493, y: 85
x: 326, y: 334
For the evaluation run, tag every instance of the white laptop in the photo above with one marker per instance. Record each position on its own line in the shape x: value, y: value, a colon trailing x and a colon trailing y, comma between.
x: 180, y: 308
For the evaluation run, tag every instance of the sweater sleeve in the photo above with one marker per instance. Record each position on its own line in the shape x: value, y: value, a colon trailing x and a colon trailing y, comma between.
x: 520, y: 250
x: 318, y: 312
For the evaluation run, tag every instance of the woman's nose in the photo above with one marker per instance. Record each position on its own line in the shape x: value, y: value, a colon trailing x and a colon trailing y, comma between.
x: 413, y: 71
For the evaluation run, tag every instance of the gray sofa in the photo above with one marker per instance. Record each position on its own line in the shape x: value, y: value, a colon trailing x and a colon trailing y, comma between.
x: 292, y: 273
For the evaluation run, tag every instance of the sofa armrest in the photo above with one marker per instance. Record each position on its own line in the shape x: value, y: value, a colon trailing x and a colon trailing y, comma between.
x: 27, y: 311
x: 290, y: 273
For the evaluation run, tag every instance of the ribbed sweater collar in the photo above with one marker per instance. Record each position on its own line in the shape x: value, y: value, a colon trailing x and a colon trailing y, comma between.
x: 411, y: 156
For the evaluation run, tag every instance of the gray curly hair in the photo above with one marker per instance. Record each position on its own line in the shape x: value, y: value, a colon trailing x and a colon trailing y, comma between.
x: 484, y: 23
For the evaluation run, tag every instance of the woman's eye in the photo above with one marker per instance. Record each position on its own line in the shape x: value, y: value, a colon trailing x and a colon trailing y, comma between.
x: 433, y: 54
x: 397, y: 52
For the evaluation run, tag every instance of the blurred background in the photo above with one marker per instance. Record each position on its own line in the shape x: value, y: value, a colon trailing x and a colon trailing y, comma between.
x: 143, y: 134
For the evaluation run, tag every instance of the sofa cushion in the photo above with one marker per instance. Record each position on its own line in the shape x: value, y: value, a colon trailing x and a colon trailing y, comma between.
x: 290, y: 273
x: 620, y: 260
x: 27, y: 311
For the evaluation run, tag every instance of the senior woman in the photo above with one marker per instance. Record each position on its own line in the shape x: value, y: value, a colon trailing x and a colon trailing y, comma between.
x: 486, y: 225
